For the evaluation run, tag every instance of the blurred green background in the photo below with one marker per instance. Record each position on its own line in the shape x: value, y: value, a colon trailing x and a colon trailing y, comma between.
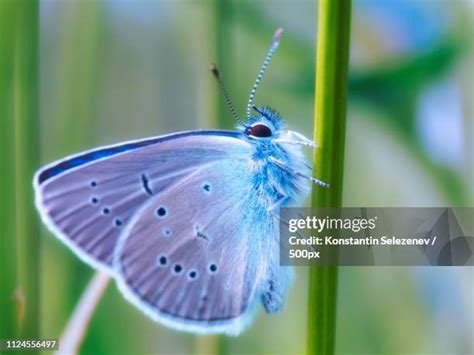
x: 120, y: 69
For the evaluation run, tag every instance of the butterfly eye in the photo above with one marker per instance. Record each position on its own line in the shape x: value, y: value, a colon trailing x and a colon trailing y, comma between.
x: 259, y: 130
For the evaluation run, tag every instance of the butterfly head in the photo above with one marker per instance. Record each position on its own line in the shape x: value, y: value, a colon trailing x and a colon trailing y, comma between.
x: 265, y: 125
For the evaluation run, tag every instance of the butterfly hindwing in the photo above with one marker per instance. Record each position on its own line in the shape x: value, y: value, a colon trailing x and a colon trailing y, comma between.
x: 87, y: 200
x: 190, y: 257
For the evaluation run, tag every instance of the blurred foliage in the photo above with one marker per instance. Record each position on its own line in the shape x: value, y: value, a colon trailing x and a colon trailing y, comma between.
x: 25, y: 86
x: 395, y: 87
x: 118, y: 70
x: 19, y: 157
x: 74, y: 83
x: 8, y: 280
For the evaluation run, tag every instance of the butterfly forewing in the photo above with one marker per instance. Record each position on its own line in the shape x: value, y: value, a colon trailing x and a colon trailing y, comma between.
x: 89, y: 199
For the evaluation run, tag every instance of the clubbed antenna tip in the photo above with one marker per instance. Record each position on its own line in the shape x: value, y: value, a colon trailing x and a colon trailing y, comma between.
x: 277, y: 35
x: 214, y: 70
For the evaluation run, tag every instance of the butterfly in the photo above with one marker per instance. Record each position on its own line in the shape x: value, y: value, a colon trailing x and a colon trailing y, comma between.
x: 186, y: 223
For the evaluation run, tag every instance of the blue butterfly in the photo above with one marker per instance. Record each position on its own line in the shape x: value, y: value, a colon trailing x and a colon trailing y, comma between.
x: 186, y: 223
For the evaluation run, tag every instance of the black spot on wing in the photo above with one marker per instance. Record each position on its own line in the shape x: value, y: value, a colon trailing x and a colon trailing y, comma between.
x: 202, y: 235
x: 162, y: 260
x: 161, y: 212
x: 212, y: 268
x: 192, y: 274
x: 177, y: 269
x: 206, y: 187
x: 146, y: 185
x: 199, y: 233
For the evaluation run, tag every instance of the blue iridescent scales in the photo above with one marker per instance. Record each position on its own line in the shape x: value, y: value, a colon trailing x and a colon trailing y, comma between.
x: 186, y: 223
x: 87, y: 157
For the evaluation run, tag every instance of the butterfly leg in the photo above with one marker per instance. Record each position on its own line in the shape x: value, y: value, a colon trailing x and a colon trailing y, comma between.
x: 283, y: 166
x: 275, y: 289
x: 278, y: 203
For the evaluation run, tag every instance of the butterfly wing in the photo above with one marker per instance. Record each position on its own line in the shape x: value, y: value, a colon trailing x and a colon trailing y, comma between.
x: 194, y: 257
x: 88, y: 199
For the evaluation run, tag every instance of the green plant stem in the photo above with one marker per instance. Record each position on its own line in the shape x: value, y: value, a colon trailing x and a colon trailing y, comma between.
x: 71, y: 119
x: 8, y: 319
x: 79, y: 321
x: 223, y: 57
x: 334, y: 18
x: 25, y: 113
x: 222, y: 12
x: 78, y: 82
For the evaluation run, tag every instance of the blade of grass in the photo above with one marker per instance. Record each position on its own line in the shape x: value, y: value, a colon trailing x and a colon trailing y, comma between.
x: 330, y: 112
x: 77, y: 83
x: 77, y: 77
x: 78, y: 323
x: 222, y: 12
x: 223, y: 53
x: 25, y: 112
x: 70, y: 119
x: 8, y: 320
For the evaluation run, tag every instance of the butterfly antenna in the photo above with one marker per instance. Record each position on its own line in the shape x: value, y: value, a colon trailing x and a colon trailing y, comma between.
x: 215, y: 71
x: 263, y: 68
